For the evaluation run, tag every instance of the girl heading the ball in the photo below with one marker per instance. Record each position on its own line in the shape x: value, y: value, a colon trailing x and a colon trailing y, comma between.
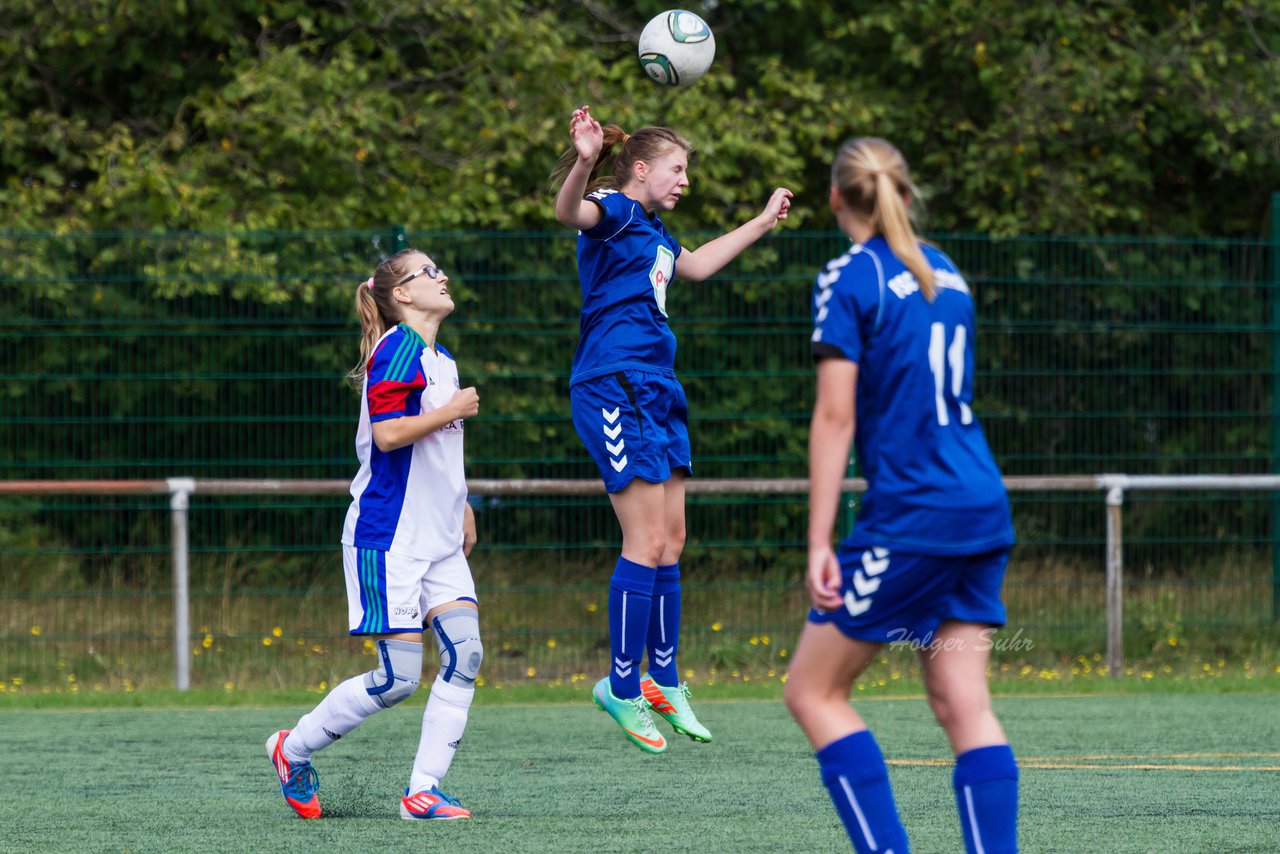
x: 628, y: 407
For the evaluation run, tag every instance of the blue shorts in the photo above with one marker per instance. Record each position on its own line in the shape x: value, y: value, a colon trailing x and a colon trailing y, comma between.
x: 634, y: 424
x: 905, y: 597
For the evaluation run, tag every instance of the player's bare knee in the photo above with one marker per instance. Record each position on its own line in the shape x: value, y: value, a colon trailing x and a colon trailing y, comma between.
x: 674, y: 544
x: 957, y: 708
x: 397, y: 674
x: 457, y: 632
x: 795, y: 698
x: 941, y: 711
x: 646, y: 550
x: 802, y: 698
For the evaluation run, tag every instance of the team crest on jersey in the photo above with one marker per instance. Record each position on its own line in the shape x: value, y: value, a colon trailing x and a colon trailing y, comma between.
x: 664, y: 265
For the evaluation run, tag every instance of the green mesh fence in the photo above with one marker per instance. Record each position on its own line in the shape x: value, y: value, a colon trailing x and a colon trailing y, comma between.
x: 223, y: 355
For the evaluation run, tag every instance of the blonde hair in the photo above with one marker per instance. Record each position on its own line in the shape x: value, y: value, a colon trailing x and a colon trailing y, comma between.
x: 647, y: 144
x: 375, y: 308
x: 872, y: 179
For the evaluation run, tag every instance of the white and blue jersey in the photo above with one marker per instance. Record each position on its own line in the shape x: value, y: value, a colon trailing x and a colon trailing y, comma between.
x: 933, y: 486
x: 410, y: 501
x: 625, y: 263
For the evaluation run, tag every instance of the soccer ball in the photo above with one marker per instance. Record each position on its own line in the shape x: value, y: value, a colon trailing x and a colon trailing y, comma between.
x: 676, y: 48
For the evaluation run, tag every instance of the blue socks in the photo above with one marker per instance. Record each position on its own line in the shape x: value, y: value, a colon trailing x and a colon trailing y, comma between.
x: 664, y: 626
x: 986, y: 784
x: 985, y: 780
x: 630, y: 595
x: 855, y: 775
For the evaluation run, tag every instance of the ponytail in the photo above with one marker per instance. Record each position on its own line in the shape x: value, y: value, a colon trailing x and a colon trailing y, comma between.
x: 376, y: 310
x: 872, y: 179
x: 894, y: 223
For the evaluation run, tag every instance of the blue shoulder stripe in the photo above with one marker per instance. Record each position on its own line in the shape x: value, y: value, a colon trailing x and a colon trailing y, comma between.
x: 403, y: 366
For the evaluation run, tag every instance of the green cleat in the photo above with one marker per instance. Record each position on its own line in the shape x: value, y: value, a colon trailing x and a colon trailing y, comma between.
x: 673, y: 704
x: 632, y: 715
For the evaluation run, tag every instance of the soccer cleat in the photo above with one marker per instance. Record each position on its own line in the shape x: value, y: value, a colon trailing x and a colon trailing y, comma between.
x: 673, y: 705
x: 632, y: 715
x: 299, y: 782
x: 431, y: 804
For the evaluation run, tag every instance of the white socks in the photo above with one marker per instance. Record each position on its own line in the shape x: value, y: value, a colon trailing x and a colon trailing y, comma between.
x: 442, y: 724
x: 349, y: 704
x: 341, y: 711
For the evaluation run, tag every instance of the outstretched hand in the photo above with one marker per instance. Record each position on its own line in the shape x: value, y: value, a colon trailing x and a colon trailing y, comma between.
x: 587, y: 135
x: 775, y: 210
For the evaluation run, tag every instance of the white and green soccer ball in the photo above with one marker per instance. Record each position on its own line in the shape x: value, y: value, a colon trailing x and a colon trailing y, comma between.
x: 676, y: 48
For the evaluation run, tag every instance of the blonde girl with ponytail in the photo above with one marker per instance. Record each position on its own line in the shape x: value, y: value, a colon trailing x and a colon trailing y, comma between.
x: 408, y: 533
x: 923, y: 566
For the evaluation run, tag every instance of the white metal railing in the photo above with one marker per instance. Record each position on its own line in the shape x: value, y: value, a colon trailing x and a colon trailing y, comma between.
x: 180, y: 490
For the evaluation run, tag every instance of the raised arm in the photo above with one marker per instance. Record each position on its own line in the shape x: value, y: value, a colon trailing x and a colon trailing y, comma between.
x: 708, y: 259
x: 572, y: 210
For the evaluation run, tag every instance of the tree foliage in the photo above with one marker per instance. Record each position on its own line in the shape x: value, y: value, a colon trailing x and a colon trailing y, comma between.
x: 1080, y: 116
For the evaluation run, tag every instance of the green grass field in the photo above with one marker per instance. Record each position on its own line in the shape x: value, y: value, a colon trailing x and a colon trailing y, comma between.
x: 1137, y: 772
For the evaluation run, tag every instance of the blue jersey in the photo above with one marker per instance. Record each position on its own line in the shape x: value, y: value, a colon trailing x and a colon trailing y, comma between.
x: 625, y: 263
x: 933, y: 487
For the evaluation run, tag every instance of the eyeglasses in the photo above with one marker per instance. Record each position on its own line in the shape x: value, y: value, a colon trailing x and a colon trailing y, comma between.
x: 428, y: 270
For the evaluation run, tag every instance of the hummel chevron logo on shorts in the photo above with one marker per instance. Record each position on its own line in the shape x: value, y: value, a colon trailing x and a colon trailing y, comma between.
x: 865, y: 583
x: 617, y: 459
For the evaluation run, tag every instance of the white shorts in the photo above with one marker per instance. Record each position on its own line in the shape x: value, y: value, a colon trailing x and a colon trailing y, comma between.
x: 389, y: 593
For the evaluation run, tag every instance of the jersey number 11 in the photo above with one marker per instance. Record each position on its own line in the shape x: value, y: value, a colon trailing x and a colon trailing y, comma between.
x: 942, y: 358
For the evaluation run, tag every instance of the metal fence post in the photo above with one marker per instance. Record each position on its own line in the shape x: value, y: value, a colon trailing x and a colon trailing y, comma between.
x: 180, y: 489
x: 1274, y: 250
x: 1115, y: 575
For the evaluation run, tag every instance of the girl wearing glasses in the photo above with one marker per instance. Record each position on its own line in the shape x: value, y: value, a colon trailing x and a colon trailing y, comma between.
x: 406, y: 540
x: 628, y: 407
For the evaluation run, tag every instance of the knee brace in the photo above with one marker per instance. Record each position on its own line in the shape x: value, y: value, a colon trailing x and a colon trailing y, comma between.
x: 458, y: 636
x: 398, y: 672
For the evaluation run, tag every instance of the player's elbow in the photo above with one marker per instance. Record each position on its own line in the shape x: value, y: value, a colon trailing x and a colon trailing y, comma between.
x: 385, y: 438
x: 833, y: 419
x: 569, y: 214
